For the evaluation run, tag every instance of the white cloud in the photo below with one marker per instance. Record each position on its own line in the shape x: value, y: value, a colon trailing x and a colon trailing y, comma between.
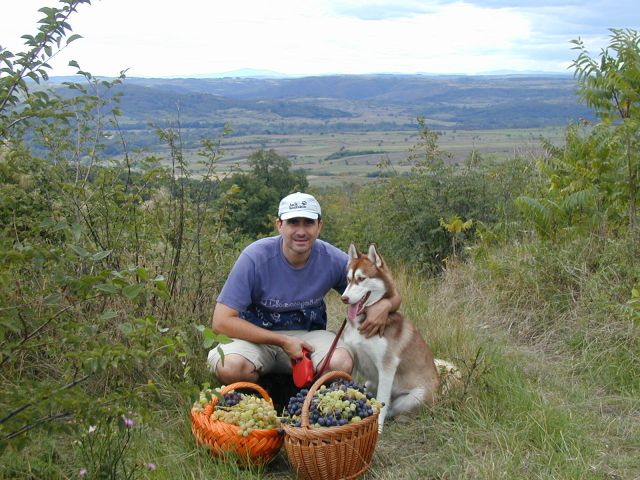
x: 165, y: 37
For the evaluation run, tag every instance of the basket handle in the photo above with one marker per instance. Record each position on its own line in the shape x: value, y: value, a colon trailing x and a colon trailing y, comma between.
x: 304, y: 416
x: 238, y: 385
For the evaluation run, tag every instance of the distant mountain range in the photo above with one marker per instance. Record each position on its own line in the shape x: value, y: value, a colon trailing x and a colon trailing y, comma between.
x: 259, y: 101
x: 261, y: 73
x: 243, y: 72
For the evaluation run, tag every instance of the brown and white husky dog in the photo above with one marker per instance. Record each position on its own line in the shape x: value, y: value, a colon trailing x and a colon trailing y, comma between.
x: 398, y: 367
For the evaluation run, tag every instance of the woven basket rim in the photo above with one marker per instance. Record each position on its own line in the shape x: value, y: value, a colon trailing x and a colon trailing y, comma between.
x: 308, y: 430
x: 319, y: 432
x: 229, y: 388
x: 232, y: 426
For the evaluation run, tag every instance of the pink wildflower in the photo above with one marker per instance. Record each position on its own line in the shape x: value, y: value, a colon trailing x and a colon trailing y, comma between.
x: 128, y: 422
x: 82, y: 472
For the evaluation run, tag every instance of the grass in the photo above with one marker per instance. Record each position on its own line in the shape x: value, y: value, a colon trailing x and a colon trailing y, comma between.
x: 525, y: 410
x: 537, y: 403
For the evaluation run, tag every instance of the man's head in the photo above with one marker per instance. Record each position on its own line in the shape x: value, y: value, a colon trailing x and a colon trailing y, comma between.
x: 299, y: 205
x: 299, y: 223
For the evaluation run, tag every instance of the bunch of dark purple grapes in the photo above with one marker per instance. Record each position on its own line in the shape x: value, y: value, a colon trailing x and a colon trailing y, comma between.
x: 230, y: 399
x: 341, y: 403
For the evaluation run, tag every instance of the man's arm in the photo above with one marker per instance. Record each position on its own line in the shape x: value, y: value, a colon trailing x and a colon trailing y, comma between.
x: 226, y: 321
x: 377, y: 315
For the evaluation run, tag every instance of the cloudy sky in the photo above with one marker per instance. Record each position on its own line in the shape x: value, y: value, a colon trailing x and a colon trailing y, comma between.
x: 157, y: 38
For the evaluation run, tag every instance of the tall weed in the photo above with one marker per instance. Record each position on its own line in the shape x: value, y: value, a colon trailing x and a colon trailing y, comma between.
x: 569, y: 297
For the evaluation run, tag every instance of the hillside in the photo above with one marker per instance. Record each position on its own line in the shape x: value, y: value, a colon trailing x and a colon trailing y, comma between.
x: 354, y: 102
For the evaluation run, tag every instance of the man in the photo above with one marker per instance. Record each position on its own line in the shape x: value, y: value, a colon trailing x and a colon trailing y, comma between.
x: 272, y: 304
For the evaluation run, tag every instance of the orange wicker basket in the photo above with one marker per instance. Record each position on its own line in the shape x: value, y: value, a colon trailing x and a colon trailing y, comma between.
x: 330, y: 453
x: 223, y: 439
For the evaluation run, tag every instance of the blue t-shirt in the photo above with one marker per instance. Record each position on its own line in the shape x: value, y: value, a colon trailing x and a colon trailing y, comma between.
x: 270, y: 293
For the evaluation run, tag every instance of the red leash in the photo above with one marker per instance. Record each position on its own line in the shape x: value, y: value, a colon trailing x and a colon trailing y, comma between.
x: 327, y: 358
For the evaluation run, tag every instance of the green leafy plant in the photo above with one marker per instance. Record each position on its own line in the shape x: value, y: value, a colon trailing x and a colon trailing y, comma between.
x: 456, y: 228
x: 90, y: 280
x: 18, y: 101
x: 611, y: 86
x: 108, y: 448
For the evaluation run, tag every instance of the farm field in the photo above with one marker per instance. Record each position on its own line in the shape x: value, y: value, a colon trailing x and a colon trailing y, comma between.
x: 353, y: 157
x: 338, y: 128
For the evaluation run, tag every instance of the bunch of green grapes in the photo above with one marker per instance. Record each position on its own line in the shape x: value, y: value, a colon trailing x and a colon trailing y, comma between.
x: 205, y: 397
x: 249, y: 413
x: 340, y: 403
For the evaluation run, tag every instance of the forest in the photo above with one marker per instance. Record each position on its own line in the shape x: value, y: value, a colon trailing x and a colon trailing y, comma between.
x: 523, y: 271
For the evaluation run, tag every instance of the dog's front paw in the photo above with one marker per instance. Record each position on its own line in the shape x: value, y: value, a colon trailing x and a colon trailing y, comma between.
x: 380, y: 424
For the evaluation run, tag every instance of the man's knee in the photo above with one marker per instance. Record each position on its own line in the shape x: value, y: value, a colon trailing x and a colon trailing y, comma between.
x: 341, y: 361
x: 235, y: 368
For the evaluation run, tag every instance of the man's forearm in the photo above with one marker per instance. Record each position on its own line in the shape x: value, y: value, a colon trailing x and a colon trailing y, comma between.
x: 237, y: 327
x: 394, y: 302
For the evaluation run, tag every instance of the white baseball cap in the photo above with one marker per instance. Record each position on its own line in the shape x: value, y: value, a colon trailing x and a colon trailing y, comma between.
x: 299, y: 205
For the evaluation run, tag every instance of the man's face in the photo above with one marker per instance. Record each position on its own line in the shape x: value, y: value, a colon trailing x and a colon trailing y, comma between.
x: 298, y: 235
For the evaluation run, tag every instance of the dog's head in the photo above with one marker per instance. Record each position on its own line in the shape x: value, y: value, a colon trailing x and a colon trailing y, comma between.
x: 367, y: 278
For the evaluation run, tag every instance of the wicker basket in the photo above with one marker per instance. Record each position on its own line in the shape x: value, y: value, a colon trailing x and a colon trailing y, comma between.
x: 330, y: 453
x: 257, y: 448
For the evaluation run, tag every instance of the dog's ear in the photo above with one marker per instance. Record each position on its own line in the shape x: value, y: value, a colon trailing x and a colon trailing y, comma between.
x: 353, y: 252
x: 374, y: 256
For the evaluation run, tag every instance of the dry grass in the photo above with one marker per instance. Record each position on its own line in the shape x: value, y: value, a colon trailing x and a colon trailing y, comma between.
x: 525, y: 410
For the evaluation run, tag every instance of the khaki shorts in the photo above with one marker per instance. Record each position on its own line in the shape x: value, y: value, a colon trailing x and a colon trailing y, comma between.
x: 272, y: 359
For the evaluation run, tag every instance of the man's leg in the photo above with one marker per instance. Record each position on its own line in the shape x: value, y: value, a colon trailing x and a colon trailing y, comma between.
x: 241, y: 361
x: 236, y: 368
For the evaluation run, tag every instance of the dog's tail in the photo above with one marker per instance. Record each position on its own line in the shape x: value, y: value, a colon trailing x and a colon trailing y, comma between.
x: 450, y: 376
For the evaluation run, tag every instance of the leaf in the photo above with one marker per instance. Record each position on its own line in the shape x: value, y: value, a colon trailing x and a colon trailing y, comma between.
x: 117, y: 274
x: 108, y: 314
x: 126, y: 328
x: 53, y: 299
x: 142, y: 273
x: 132, y: 291
x: 76, y: 230
x: 208, y: 337
x: 91, y: 365
x: 81, y: 252
x: 109, y: 288
x: 73, y: 37
x: 100, y: 255
x: 61, y: 226
x: 47, y: 222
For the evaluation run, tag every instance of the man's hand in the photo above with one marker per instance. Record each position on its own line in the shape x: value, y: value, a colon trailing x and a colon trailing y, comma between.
x: 293, y: 347
x: 376, y: 318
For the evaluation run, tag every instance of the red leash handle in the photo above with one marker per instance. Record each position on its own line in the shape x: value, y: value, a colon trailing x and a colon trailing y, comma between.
x: 303, y: 370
